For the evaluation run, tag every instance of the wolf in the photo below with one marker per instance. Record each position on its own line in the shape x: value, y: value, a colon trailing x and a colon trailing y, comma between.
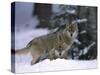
x: 55, y: 44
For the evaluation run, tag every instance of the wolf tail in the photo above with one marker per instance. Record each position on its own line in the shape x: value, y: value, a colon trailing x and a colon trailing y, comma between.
x: 22, y: 51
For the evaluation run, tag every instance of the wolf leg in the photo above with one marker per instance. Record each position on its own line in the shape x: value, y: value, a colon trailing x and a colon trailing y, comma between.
x: 36, y: 54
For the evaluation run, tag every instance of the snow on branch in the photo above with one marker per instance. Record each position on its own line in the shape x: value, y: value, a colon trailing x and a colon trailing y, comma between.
x: 79, y: 21
x: 71, y: 11
x: 86, y: 49
x: 77, y: 41
x: 92, y: 44
x: 83, y: 31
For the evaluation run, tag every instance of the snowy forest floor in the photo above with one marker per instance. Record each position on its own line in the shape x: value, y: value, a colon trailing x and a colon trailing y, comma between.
x: 22, y: 65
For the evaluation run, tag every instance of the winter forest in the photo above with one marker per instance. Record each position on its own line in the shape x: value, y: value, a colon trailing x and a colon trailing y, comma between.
x: 36, y: 19
x: 85, y: 17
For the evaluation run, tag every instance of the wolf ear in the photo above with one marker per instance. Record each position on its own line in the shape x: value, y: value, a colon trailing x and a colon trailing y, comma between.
x: 67, y: 26
x: 75, y: 26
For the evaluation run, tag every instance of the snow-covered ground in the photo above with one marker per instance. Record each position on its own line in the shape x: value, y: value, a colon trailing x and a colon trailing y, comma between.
x: 22, y: 64
x: 55, y: 65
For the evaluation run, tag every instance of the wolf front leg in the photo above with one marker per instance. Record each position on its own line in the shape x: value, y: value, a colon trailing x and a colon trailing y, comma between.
x: 36, y: 54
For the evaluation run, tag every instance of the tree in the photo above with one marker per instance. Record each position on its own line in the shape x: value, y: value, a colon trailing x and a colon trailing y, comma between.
x: 43, y: 11
x: 90, y: 13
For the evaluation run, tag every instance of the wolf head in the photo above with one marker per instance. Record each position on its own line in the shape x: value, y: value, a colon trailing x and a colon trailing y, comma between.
x: 71, y: 30
x: 60, y: 50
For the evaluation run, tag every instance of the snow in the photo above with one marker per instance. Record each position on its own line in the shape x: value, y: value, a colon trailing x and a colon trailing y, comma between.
x: 55, y: 65
x: 80, y: 20
x: 24, y: 37
x: 82, y: 32
x: 71, y: 11
x: 77, y: 41
x: 24, y: 33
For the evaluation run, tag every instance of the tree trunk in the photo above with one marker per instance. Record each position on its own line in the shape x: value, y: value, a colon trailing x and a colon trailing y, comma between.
x: 44, y: 12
